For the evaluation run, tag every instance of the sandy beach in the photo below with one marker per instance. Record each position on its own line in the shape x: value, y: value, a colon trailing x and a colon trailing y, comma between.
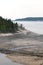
x: 24, y: 47
x: 26, y: 60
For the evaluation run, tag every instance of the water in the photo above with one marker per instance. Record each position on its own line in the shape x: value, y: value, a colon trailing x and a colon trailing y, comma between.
x: 36, y: 27
x: 5, y: 61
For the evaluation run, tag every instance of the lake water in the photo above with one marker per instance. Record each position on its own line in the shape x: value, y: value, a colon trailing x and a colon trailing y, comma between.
x: 36, y: 27
x: 5, y: 61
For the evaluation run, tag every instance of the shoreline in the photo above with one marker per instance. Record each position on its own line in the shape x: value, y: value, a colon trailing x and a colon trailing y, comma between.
x: 26, y: 60
x: 24, y: 47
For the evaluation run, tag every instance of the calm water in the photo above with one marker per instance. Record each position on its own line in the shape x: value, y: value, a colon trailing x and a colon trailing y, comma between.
x: 36, y: 27
x: 5, y: 61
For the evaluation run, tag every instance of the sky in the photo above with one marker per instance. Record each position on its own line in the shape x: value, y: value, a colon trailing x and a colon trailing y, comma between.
x: 14, y: 9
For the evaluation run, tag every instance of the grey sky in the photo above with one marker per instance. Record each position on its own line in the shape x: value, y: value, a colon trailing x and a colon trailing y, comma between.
x: 21, y: 8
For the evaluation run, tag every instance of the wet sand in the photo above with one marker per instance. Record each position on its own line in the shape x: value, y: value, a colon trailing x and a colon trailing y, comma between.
x: 27, y: 47
x: 26, y: 59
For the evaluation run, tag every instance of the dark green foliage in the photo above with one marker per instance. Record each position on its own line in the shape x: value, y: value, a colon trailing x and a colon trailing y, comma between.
x: 6, y: 25
x: 16, y: 25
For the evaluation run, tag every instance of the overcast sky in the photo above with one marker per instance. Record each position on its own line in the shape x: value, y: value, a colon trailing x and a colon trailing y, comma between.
x: 21, y: 8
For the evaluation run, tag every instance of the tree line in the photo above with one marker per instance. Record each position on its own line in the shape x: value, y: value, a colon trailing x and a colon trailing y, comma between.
x: 6, y: 25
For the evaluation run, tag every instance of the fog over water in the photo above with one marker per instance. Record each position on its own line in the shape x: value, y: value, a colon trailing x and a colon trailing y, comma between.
x: 36, y: 27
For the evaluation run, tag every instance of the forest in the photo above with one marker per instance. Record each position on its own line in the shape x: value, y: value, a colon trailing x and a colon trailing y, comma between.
x: 6, y: 25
